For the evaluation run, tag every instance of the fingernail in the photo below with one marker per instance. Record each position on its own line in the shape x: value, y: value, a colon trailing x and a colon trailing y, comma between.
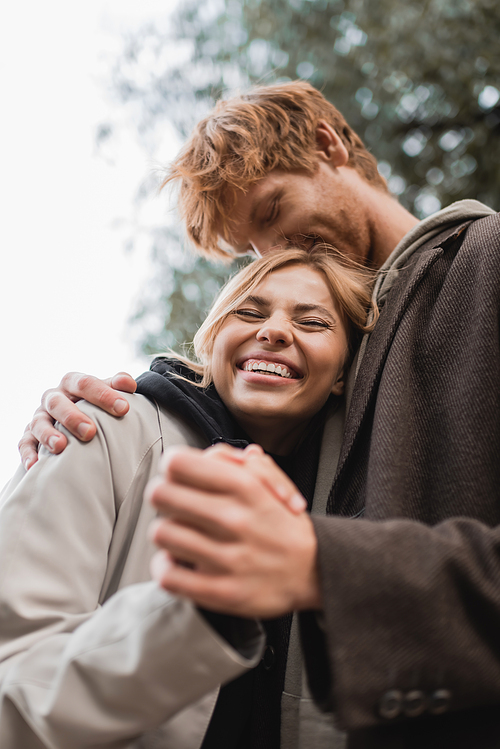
x: 27, y: 464
x: 83, y: 430
x: 298, y: 503
x: 53, y: 442
x: 120, y: 406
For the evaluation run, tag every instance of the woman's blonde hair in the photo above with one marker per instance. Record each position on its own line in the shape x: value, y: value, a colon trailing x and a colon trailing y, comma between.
x: 350, y: 285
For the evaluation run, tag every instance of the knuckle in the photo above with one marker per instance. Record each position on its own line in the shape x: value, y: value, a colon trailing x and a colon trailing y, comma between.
x: 68, y: 380
x: 236, y: 519
x: 45, y: 435
x: 260, y: 474
x: 50, y: 402
x: 104, y: 394
x: 83, y: 381
x: 220, y: 447
x: 240, y: 558
x: 253, y: 484
x: 228, y: 556
x: 26, y: 436
x: 230, y: 591
x: 46, y: 394
x: 25, y: 444
x: 72, y: 417
x: 41, y: 422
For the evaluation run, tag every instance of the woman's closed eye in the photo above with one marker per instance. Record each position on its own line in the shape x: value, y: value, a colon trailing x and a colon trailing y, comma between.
x: 311, y: 323
x: 314, y: 323
x: 251, y: 314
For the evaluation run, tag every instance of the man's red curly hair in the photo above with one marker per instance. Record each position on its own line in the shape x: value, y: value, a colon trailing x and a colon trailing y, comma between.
x: 243, y: 139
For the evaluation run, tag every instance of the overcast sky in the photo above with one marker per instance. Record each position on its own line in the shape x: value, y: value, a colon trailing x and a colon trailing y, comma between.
x: 67, y: 286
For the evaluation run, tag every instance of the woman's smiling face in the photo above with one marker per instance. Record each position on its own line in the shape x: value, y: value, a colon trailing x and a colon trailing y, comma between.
x: 279, y: 355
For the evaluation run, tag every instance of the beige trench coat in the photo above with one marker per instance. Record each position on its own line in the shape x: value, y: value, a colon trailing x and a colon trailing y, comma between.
x: 92, y: 653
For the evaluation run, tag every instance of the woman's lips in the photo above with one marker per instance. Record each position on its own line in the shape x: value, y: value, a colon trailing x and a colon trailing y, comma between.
x: 263, y: 379
x: 273, y: 365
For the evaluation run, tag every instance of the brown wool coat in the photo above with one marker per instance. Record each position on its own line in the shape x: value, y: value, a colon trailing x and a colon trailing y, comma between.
x: 410, y: 572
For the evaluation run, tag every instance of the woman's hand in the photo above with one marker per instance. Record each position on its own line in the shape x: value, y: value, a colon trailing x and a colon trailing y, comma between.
x: 58, y: 404
x: 263, y: 467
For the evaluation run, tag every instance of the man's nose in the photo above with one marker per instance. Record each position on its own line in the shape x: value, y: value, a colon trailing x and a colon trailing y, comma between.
x: 263, y: 245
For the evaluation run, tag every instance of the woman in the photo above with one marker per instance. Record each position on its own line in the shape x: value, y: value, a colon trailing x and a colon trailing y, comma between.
x: 93, y: 653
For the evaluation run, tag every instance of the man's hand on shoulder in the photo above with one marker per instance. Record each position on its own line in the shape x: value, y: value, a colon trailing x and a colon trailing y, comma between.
x: 228, y: 540
x: 58, y: 404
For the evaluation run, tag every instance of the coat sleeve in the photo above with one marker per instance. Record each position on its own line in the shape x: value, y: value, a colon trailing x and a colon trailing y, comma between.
x: 75, y: 673
x: 410, y: 612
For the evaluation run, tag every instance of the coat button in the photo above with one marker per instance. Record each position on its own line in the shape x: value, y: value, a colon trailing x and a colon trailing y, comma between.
x: 269, y: 658
x: 391, y: 704
x: 414, y: 703
x: 439, y: 701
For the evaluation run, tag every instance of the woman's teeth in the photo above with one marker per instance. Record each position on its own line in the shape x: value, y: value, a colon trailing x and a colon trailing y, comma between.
x: 252, y: 365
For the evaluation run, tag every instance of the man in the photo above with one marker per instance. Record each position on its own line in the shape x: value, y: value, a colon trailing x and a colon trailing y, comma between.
x: 400, y: 597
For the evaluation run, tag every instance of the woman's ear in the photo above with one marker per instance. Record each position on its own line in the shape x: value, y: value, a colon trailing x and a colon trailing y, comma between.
x: 330, y: 146
x: 339, y: 385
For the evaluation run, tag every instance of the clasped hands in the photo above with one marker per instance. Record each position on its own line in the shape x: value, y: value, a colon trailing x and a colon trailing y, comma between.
x: 232, y: 532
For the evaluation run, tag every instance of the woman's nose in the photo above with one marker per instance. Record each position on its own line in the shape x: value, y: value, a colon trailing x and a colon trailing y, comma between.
x: 275, y: 332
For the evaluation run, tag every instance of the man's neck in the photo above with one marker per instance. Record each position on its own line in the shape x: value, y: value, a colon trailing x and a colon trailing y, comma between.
x: 390, y: 223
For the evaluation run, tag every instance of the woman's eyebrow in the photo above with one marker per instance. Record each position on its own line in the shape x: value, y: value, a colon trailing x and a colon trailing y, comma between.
x: 302, y: 307
x: 259, y: 300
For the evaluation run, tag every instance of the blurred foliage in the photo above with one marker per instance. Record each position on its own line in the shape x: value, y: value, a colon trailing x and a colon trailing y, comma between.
x: 419, y: 81
x: 178, y: 295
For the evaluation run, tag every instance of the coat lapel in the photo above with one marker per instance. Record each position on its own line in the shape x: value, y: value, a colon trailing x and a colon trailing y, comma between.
x: 365, y: 389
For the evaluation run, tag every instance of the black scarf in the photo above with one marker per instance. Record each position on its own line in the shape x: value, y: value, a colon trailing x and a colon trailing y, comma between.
x: 203, y: 407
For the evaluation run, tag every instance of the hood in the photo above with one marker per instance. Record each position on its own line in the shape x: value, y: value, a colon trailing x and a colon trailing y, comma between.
x: 203, y: 407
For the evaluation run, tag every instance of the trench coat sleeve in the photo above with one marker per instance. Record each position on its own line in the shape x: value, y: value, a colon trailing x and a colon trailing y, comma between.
x: 79, y: 668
